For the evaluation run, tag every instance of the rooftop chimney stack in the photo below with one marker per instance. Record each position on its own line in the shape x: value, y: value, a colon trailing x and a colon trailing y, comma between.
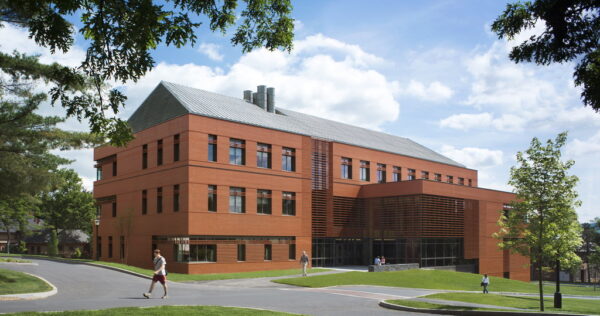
x: 271, y: 100
x: 248, y: 96
x: 262, y: 96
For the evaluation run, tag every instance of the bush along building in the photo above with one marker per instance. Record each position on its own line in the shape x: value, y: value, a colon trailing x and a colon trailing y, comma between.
x: 222, y: 184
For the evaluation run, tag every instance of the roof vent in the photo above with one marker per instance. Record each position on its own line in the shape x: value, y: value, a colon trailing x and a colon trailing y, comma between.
x: 264, y: 98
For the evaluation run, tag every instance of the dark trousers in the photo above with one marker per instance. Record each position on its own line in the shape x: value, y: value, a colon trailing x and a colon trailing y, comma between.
x: 485, y: 290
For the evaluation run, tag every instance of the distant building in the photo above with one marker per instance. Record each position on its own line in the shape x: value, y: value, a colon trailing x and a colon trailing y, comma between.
x: 68, y: 241
x: 222, y: 184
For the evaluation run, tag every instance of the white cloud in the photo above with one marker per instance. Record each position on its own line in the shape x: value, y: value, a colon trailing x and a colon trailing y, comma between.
x: 322, y: 76
x: 436, y: 91
x: 474, y: 157
x: 15, y: 38
x: 584, y: 147
x: 211, y: 51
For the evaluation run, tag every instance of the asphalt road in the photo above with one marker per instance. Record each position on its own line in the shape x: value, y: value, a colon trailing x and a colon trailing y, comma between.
x: 83, y: 287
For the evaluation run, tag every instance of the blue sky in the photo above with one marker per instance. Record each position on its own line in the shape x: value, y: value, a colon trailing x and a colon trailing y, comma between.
x: 431, y: 71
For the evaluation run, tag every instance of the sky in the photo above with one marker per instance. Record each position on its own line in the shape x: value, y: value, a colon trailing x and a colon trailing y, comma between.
x: 431, y: 71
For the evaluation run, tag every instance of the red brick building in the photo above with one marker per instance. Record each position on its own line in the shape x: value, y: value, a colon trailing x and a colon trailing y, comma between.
x: 222, y: 184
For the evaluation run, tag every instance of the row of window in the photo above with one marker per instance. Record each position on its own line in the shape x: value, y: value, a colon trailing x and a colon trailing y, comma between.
x: 237, y: 201
x: 365, y: 170
x: 159, y: 152
x: 237, y: 154
x: 208, y: 253
x: 110, y: 247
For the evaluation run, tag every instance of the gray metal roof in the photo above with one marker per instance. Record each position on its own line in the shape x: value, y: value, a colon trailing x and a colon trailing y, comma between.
x: 169, y: 100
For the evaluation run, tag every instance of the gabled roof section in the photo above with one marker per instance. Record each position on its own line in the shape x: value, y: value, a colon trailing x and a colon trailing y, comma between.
x: 160, y: 106
x: 169, y: 100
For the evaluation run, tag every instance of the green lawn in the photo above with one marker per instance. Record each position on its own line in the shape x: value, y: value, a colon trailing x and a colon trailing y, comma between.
x: 13, y: 282
x: 181, y: 277
x: 588, y: 307
x: 419, y: 304
x: 14, y: 260
x: 430, y: 279
x: 163, y: 311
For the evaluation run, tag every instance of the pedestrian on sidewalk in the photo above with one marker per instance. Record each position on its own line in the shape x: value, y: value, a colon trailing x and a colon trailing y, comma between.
x: 304, y: 262
x: 485, y: 282
x: 160, y: 273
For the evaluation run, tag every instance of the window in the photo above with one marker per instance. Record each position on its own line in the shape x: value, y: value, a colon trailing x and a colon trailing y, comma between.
x: 263, y: 201
x: 396, y: 176
x: 110, y: 246
x: 263, y: 155
x: 144, y: 156
x: 122, y: 248
x: 237, y: 200
x: 99, y: 173
x: 450, y: 179
x: 159, y: 153
x: 346, y: 168
x: 144, y: 202
x: 438, y: 177
x: 470, y: 182
x: 288, y: 203
x: 176, y: 198
x: 412, y: 173
x: 364, y: 170
x: 288, y: 159
x: 212, y: 198
x: 195, y: 253
x: 292, y: 252
x: 176, y: 147
x: 114, y: 168
x: 159, y: 204
x: 98, y: 247
x: 114, y: 209
x: 381, y: 173
x: 461, y: 181
x: 241, y: 252
x: 425, y: 175
x: 212, y: 148
x: 237, y: 151
x: 268, y: 252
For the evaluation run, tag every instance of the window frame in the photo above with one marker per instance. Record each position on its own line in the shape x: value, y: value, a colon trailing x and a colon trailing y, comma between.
x: 263, y: 156
x: 288, y: 200
x: 176, y: 147
x: 159, y: 152
x: 237, y: 151
x: 263, y: 195
x: 212, y: 148
x: 159, y: 200
x: 365, y: 170
x: 212, y: 192
x: 288, y: 159
x: 238, y: 195
x: 381, y: 173
x: 176, y: 204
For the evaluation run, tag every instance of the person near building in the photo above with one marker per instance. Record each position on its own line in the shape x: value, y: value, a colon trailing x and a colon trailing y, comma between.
x: 160, y: 274
x: 382, y: 260
x: 377, y: 261
x: 304, y: 262
x: 485, y: 282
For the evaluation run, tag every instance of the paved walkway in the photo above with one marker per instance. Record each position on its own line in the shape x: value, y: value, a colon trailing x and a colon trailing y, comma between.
x: 87, y: 287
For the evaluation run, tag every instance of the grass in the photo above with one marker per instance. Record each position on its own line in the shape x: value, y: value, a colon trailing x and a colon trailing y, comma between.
x: 163, y: 311
x: 430, y: 279
x: 182, y: 277
x: 13, y: 282
x: 14, y: 260
x: 588, y: 307
x: 426, y: 305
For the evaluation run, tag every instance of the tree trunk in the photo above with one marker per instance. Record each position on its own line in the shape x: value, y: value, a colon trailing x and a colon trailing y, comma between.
x: 541, y: 283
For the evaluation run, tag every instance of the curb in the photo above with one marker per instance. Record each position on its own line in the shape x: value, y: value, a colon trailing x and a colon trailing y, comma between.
x: 31, y: 296
x: 466, y: 313
x: 93, y: 265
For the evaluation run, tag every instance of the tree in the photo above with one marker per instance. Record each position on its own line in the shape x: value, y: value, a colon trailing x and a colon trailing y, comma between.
x: 26, y: 138
x: 572, y: 33
x: 121, y: 35
x: 14, y: 213
x: 591, y: 239
x: 67, y: 205
x: 53, y: 244
x: 542, y: 222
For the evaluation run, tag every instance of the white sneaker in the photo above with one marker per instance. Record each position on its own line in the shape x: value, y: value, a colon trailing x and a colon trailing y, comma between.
x: 146, y: 295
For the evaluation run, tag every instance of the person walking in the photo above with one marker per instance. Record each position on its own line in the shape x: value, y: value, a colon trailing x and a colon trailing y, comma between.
x: 377, y: 261
x: 485, y: 282
x: 304, y: 262
x: 160, y: 274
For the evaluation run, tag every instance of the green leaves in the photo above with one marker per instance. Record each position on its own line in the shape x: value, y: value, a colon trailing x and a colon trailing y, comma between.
x: 122, y: 34
x: 572, y: 33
